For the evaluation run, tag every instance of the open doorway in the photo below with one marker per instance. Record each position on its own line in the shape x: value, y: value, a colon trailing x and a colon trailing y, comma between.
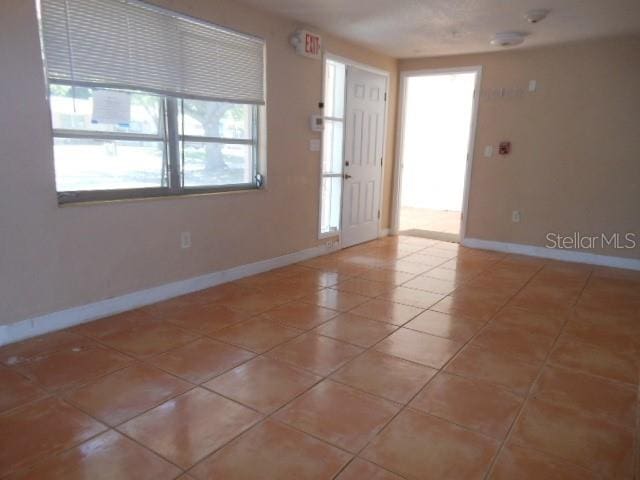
x: 438, y: 117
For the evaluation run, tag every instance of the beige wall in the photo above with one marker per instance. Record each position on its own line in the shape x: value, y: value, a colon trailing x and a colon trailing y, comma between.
x: 53, y: 258
x: 575, y: 162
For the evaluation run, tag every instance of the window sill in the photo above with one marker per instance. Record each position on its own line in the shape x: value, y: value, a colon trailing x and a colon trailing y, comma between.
x: 149, y: 196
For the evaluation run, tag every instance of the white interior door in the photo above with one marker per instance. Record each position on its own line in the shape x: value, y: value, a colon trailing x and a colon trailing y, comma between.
x: 363, y: 144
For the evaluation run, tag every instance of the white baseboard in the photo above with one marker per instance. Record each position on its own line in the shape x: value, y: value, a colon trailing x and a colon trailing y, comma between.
x: 554, y: 253
x: 49, y: 322
x: 384, y: 232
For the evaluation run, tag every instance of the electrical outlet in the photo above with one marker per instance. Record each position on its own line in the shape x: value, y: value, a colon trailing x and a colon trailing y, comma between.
x: 185, y: 240
x: 331, y: 244
x: 515, y: 216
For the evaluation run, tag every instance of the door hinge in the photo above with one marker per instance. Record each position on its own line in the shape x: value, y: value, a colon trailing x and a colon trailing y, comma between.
x: 378, y: 214
x: 380, y: 161
x: 385, y: 96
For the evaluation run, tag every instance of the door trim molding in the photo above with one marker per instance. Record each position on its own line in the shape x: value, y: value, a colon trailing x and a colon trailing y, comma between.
x: 397, y: 170
x: 387, y: 74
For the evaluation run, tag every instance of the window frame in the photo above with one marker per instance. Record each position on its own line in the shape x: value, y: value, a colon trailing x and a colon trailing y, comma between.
x: 331, y: 233
x: 173, y: 162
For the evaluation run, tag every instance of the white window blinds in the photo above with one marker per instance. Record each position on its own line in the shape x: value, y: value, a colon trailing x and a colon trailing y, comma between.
x: 133, y: 45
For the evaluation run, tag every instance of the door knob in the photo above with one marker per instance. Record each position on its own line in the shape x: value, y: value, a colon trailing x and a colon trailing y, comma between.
x: 347, y: 176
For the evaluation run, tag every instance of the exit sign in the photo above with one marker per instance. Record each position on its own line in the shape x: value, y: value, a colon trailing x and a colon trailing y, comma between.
x: 307, y: 43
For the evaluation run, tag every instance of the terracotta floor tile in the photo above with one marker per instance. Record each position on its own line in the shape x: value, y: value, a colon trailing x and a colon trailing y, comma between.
x: 289, y: 289
x: 318, y: 354
x: 253, y: 301
x: 494, y: 367
x: 468, y: 305
x: 526, y: 464
x: 360, y: 286
x: 201, y: 360
x: 359, y: 469
x: 387, y: 276
x: 584, y: 440
x: 300, y: 315
x: 430, y: 284
x: 126, y: 393
x: 409, y: 267
x: 273, y: 451
x: 419, y: 446
x: 447, y: 326
x: 263, y: 384
x: 468, y: 265
x: 423, y: 258
x: 593, y: 395
x: 473, y: 404
x: 148, y: 340
x: 339, y: 415
x: 531, y: 322
x: 458, y: 278
x: 73, y: 366
x: 514, y: 341
x: 386, y: 311
x: 19, y: 352
x: 39, y: 429
x: 191, y: 426
x: 16, y: 390
x: 355, y: 329
x: 545, y: 298
x: 204, y: 319
x: 335, y: 300
x: 604, y: 331
x: 321, y: 278
x: 580, y: 416
x: 258, y: 334
x: 596, y: 361
x: 385, y: 376
x: 117, y: 323
x: 108, y: 456
x: 411, y: 297
x: 419, y: 347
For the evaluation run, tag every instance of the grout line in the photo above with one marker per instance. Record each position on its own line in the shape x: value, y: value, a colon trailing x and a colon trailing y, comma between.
x: 521, y: 410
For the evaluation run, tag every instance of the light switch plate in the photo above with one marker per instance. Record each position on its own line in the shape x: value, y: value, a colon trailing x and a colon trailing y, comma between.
x: 314, y: 145
x: 488, y: 151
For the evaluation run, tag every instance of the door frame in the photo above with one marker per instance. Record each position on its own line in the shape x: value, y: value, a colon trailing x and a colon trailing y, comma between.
x: 397, y: 170
x: 385, y: 73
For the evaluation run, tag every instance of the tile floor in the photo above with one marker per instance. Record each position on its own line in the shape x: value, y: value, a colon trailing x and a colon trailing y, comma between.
x: 401, y: 358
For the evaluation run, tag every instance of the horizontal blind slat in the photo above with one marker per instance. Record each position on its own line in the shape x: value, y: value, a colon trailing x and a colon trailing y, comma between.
x: 128, y: 43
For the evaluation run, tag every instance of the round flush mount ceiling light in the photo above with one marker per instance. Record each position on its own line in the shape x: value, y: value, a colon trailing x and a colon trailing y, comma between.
x: 536, y: 15
x: 507, y: 39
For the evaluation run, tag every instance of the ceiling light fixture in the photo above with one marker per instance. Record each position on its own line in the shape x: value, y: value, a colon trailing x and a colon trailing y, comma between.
x: 536, y: 15
x: 507, y: 39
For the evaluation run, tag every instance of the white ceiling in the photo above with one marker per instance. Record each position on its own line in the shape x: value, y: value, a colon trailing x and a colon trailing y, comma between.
x: 415, y: 28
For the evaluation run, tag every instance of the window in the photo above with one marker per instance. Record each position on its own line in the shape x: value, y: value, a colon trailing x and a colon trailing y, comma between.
x: 332, y: 142
x: 145, y: 102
